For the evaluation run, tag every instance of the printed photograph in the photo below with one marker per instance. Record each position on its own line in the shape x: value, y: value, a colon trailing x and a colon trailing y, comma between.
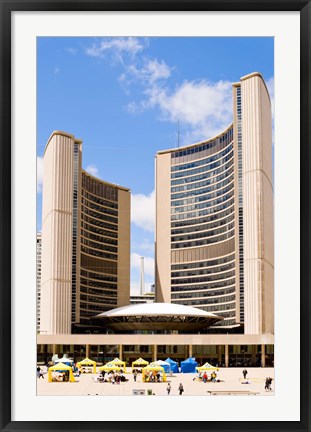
x: 155, y: 216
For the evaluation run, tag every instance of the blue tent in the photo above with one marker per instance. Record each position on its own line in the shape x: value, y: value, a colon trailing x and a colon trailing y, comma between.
x: 189, y: 365
x: 174, y: 365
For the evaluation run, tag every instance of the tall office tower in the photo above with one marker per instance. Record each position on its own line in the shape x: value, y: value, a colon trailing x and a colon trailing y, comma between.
x: 39, y: 250
x: 85, y: 238
x: 214, y: 218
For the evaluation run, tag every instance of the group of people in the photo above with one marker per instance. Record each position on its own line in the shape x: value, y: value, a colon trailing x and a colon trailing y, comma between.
x: 204, y: 377
x: 180, y: 389
x: 112, y: 377
x: 153, y: 376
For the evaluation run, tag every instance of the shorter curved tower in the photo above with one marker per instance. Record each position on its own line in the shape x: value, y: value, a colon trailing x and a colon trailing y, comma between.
x: 85, y: 241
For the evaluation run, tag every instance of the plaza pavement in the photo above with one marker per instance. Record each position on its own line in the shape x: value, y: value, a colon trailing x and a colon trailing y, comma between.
x: 231, y: 381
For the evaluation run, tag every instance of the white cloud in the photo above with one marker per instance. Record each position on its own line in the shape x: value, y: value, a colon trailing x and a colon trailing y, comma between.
x: 149, y: 71
x: 148, y: 264
x: 93, y: 170
x: 117, y: 45
x: 56, y: 70
x: 203, y: 107
x: 143, y: 210
x: 39, y: 174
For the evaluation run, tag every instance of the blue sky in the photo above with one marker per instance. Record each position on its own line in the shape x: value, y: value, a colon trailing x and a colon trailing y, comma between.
x: 123, y: 97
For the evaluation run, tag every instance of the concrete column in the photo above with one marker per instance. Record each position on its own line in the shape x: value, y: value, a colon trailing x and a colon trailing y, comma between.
x: 227, y: 355
x: 87, y: 350
x: 120, y: 352
x: 154, y: 352
x: 263, y: 355
x: 219, y: 353
x: 190, y: 350
x: 55, y: 349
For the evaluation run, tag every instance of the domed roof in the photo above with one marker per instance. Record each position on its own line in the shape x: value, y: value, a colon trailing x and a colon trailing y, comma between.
x: 156, y: 309
x: 157, y: 316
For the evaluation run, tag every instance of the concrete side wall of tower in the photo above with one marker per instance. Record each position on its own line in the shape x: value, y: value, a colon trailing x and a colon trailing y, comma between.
x: 57, y: 236
x: 257, y: 206
x: 163, y: 228
x: 124, y: 233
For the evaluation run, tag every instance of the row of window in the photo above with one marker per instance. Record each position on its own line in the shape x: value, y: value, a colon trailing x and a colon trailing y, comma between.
x: 203, y: 198
x: 99, y: 208
x: 99, y: 285
x: 206, y: 190
x: 207, y: 279
x: 206, y: 204
x: 203, y: 234
x: 222, y: 284
x: 205, y: 227
x: 97, y: 300
x: 99, y: 200
x: 219, y: 308
x: 91, y: 224
x: 204, y: 271
x: 220, y: 169
x: 101, y: 276
x: 217, y: 293
x: 98, y: 238
x: 216, y: 216
x: 204, y: 242
x: 204, y: 164
x: 98, y: 212
x: 203, y: 212
x: 98, y: 188
x: 227, y: 137
x: 86, y: 290
x: 90, y: 216
x: 202, y: 184
x: 97, y: 253
x: 200, y: 264
x: 98, y: 246
x: 224, y: 314
x: 211, y: 300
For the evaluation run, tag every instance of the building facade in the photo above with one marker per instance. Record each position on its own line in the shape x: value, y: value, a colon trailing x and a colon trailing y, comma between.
x: 85, y: 241
x: 39, y: 251
x: 214, y: 218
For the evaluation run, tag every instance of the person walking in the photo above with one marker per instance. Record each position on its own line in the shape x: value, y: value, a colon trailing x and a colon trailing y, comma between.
x: 267, y: 384
x: 204, y: 377
x: 244, y: 373
x: 168, y: 388
x: 181, y: 389
x: 41, y: 373
x: 135, y: 375
x: 38, y: 371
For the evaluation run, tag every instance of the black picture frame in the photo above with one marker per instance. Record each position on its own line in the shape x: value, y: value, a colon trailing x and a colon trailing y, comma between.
x: 7, y: 7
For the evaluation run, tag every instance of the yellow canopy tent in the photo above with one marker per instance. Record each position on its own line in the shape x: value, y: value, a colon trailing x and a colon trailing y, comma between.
x: 87, y: 363
x: 62, y: 368
x: 140, y: 362
x: 109, y: 367
x: 119, y: 363
x: 149, y: 368
x: 205, y: 367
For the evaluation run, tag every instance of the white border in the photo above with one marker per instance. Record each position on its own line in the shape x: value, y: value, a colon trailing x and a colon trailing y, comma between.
x: 284, y: 26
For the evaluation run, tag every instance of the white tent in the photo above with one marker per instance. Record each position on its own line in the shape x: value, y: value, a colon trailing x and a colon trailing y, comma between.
x: 160, y: 363
x: 64, y: 360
